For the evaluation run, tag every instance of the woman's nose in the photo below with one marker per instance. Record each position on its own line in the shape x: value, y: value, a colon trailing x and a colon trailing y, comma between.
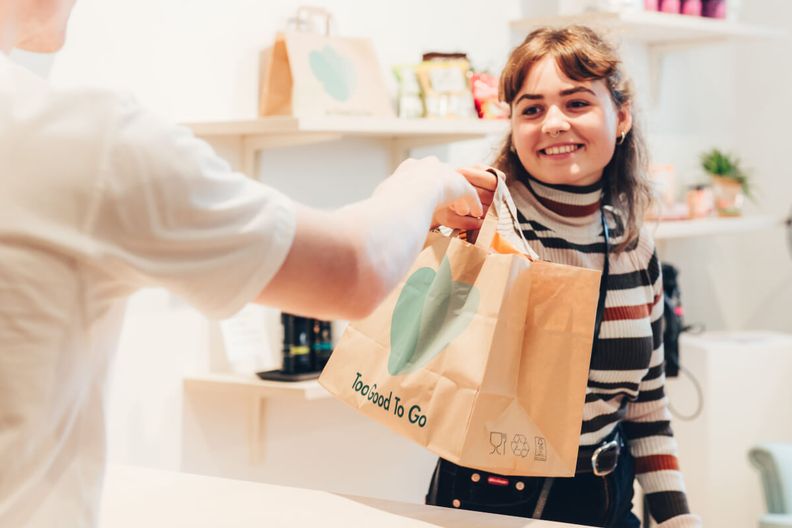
x: 555, y: 122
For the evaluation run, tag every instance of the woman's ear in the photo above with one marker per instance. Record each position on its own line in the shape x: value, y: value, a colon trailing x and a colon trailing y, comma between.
x: 625, y: 119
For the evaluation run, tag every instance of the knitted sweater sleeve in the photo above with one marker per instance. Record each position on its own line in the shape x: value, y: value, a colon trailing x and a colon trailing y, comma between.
x: 647, y: 427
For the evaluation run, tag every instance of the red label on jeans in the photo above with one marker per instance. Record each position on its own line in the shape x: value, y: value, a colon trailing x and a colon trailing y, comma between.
x: 497, y: 481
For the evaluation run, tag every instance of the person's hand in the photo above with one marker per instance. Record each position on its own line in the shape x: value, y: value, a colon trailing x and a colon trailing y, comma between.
x: 456, y: 216
x: 430, y: 177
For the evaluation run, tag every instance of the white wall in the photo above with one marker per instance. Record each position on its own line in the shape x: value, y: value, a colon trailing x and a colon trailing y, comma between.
x: 765, y: 74
x: 197, y: 60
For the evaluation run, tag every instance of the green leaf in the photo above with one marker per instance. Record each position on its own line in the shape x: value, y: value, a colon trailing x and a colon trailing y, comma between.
x: 724, y: 165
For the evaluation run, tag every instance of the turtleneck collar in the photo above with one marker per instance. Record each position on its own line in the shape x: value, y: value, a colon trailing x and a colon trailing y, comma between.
x: 576, y: 204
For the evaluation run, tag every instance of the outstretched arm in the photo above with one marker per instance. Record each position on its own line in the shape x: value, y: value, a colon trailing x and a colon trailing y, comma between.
x: 342, y: 264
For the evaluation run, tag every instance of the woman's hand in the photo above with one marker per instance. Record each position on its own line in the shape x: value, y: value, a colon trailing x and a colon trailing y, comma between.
x: 457, y: 215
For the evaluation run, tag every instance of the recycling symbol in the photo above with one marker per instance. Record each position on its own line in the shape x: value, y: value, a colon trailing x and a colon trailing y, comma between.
x: 519, y: 445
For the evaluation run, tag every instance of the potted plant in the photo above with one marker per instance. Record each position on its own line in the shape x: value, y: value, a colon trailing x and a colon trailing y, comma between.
x: 730, y: 183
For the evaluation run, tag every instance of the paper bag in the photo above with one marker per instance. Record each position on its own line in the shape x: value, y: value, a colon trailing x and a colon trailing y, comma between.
x: 312, y: 75
x: 482, y: 357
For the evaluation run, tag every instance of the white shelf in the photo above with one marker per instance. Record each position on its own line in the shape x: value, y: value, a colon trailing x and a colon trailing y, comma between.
x: 254, y: 135
x: 307, y: 390
x: 456, y: 129
x: 656, y: 29
x: 673, y: 229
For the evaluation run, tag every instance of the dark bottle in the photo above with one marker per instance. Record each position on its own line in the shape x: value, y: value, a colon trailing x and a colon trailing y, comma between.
x: 321, y: 343
x: 301, y: 344
x: 287, y: 321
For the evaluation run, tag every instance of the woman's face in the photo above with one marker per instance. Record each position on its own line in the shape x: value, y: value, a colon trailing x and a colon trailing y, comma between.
x: 565, y: 131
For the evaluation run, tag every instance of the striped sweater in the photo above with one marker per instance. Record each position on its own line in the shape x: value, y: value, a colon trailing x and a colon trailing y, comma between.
x: 626, y: 379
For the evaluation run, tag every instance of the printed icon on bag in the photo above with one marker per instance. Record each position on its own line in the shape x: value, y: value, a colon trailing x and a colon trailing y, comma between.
x: 498, y: 442
x: 519, y: 445
x: 540, y: 453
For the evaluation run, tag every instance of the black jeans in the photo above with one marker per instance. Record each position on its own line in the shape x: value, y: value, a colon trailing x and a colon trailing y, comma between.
x: 583, y: 499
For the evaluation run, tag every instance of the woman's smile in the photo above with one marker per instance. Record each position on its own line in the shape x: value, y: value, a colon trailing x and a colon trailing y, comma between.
x: 560, y: 151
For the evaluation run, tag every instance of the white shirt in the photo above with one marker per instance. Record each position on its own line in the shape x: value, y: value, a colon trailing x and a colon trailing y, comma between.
x: 97, y: 199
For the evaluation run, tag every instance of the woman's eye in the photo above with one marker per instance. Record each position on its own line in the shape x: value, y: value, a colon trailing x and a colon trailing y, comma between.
x: 531, y: 110
x: 578, y: 104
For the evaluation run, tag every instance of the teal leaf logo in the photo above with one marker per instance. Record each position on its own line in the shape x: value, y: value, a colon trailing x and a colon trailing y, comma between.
x: 334, y: 71
x: 432, y: 310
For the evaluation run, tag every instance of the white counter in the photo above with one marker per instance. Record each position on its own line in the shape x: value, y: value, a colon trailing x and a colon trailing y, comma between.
x: 136, y: 497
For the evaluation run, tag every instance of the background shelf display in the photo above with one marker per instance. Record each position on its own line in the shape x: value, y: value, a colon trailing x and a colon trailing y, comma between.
x: 675, y: 229
x: 661, y: 33
x: 656, y: 29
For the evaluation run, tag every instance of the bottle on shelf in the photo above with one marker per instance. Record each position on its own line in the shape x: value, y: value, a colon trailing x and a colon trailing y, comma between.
x: 298, y: 350
x: 321, y: 343
x: 300, y: 346
x: 287, y: 321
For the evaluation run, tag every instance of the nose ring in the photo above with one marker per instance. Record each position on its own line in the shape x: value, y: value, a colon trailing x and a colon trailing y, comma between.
x: 555, y: 133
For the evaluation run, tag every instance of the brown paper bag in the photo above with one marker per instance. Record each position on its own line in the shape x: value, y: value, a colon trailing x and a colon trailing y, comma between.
x: 480, y: 356
x: 312, y: 75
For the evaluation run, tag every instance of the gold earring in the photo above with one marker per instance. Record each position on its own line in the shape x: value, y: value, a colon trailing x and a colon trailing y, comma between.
x: 621, y: 137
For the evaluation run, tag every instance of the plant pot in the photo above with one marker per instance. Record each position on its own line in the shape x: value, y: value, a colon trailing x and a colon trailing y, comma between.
x: 700, y: 201
x: 729, y: 196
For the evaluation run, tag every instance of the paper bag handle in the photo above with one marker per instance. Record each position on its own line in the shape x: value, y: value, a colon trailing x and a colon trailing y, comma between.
x: 503, y: 212
x: 302, y: 20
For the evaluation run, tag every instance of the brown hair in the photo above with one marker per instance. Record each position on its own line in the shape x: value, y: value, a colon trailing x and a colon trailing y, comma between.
x: 585, y: 56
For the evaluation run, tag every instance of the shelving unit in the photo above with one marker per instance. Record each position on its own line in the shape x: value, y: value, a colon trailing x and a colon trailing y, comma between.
x: 662, y: 33
x: 656, y: 29
x: 249, y: 138
x: 251, y: 394
x: 677, y: 229
x: 253, y: 136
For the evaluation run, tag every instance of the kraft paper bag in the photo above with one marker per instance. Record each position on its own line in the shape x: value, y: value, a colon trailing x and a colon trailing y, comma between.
x: 313, y: 75
x: 481, y: 354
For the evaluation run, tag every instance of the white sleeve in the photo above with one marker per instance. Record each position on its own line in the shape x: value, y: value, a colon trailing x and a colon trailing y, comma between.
x: 172, y: 214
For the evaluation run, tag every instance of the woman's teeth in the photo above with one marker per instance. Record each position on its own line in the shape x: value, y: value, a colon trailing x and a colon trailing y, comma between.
x: 564, y: 149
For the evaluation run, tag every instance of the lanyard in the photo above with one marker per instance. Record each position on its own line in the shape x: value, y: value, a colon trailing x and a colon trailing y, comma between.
x: 603, y: 291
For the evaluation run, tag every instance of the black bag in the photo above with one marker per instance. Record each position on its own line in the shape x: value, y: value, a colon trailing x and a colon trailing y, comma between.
x: 673, y: 324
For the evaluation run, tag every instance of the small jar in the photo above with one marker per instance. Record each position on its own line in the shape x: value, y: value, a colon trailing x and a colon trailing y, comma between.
x: 713, y: 8
x: 700, y: 201
x: 669, y: 6
x: 690, y: 7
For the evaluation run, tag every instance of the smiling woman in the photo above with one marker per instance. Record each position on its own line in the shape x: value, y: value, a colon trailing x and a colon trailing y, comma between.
x: 575, y: 163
